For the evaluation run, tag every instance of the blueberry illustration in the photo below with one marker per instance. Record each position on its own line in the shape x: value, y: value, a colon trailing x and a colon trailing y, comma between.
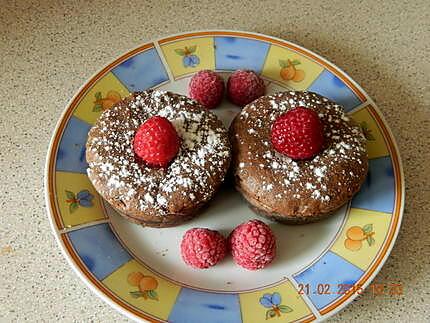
x: 266, y: 300
x: 276, y: 299
x: 191, y: 61
x: 85, y: 198
x: 270, y: 300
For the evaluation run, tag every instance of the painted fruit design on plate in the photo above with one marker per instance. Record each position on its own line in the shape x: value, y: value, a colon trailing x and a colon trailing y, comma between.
x: 83, y: 198
x: 146, y: 285
x: 366, y: 131
x: 273, y: 303
x: 355, y: 236
x: 189, y: 58
x: 104, y: 103
x: 289, y: 71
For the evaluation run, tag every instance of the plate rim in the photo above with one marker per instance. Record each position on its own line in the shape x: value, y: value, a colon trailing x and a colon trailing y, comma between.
x: 201, y: 33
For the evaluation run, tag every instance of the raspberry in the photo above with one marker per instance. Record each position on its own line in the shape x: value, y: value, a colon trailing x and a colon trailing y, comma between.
x: 203, y: 248
x: 244, y: 86
x: 206, y: 87
x: 298, y: 133
x: 156, y: 142
x: 253, y: 245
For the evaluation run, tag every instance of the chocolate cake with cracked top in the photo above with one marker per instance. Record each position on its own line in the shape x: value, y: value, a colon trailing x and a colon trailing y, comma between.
x: 158, y: 197
x: 298, y: 191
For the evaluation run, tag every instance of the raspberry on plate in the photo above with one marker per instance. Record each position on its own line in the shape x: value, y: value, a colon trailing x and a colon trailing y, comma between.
x: 203, y: 248
x: 244, y: 86
x: 298, y: 133
x: 206, y: 87
x: 253, y: 245
x: 156, y: 142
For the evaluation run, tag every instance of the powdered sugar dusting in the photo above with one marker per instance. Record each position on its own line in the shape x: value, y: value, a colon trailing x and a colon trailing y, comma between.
x: 194, y: 172
x: 345, y: 149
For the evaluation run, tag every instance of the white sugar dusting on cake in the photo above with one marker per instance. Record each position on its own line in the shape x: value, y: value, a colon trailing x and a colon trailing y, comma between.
x: 347, y: 145
x: 203, y: 154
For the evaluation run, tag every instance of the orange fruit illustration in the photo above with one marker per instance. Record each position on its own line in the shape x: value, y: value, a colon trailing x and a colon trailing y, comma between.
x: 147, y: 283
x: 106, y: 103
x: 113, y: 96
x: 355, y: 233
x: 288, y: 73
x: 299, y: 76
x: 134, y: 278
x: 353, y: 245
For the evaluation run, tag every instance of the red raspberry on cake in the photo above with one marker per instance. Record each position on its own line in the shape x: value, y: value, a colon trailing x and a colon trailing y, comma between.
x: 298, y: 133
x: 156, y: 142
x: 244, y: 86
x: 253, y: 245
x: 206, y: 87
x: 202, y: 248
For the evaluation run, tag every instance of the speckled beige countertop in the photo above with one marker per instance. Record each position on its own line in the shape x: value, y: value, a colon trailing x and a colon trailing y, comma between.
x: 49, y: 49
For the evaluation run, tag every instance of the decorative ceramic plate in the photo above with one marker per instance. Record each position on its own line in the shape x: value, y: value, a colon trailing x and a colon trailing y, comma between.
x: 320, y: 267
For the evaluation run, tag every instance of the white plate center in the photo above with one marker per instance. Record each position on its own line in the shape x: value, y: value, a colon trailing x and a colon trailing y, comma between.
x: 158, y: 249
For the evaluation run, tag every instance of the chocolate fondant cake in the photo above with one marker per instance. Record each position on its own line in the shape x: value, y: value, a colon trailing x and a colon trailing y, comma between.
x: 158, y: 197
x: 297, y: 191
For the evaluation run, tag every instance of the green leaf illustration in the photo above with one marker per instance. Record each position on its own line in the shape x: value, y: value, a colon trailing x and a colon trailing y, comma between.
x: 97, y: 107
x: 98, y: 95
x: 270, y: 314
x: 285, y: 309
x: 283, y: 63
x: 152, y: 294
x: 295, y: 62
x: 368, y: 228
x: 367, y: 132
x: 70, y: 195
x: 136, y: 294
x: 371, y: 241
x: 73, y: 207
x: 192, y: 49
x: 180, y: 51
